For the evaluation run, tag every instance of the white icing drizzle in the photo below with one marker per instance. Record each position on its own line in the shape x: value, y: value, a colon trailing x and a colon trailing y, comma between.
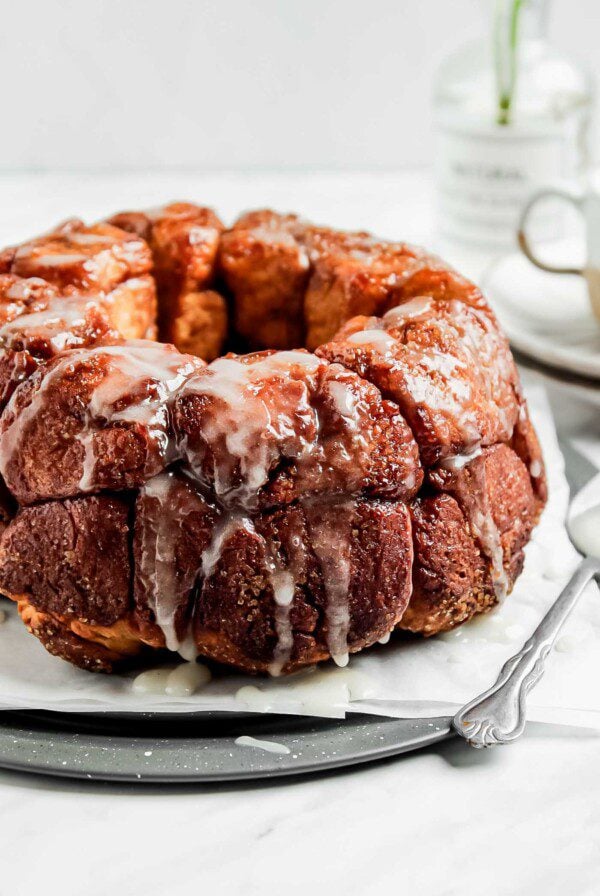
x: 159, y: 530
x: 86, y: 482
x: 373, y: 339
x: 283, y: 585
x: 280, y: 579
x: 536, y: 469
x: 246, y: 424
x: 90, y: 239
x: 458, y: 461
x: 430, y: 376
x: 486, y: 350
x: 474, y: 499
x: 385, y: 639
x: 269, y: 746
x: 222, y: 532
x: 319, y: 692
x: 413, y: 308
x: 54, y: 323
x: 432, y: 379
x: 199, y: 235
x: 24, y: 288
x: 53, y: 260
x: 330, y: 529
x: 152, y: 681
x: 186, y: 679
x: 130, y: 366
x: 351, y: 409
x: 70, y: 312
x: 274, y: 231
x: 287, y: 408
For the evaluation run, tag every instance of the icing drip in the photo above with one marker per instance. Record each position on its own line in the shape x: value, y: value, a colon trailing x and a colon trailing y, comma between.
x: 373, y: 339
x: 167, y: 587
x: 473, y: 497
x: 271, y: 411
x: 90, y: 239
x: 439, y: 367
x: 350, y: 407
x: 182, y: 681
x: 283, y: 585
x: 486, y: 350
x: 53, y: 260
x: 281, y: 580
x: 86, y: 482
x: 535, y: 469
x: 186, y: 679
x: 221, y: 534
x: 458, y: 461
x: 269, y: 746
x: 54, y: 322
x: 411, y: 309
x: 330, y: 529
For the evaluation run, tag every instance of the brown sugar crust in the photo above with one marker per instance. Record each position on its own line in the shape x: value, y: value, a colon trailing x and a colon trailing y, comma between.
x: 273, y: 509
x: 71, y: 558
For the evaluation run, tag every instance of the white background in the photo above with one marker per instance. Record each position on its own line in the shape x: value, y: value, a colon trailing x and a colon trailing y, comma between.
x: 239, y: 84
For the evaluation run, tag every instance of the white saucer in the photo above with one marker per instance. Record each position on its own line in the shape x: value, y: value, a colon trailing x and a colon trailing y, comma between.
x: 545, y: 316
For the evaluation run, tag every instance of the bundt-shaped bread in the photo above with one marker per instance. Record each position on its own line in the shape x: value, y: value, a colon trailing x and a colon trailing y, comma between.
x: 266, y: 510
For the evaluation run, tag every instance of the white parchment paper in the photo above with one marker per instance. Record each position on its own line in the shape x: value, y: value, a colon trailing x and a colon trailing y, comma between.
x: 409, y: 677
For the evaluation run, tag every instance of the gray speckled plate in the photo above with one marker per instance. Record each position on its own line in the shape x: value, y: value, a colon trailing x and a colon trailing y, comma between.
x: 200, y: 748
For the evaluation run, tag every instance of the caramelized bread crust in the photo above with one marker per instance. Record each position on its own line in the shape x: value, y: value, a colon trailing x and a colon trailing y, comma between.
x: 184, y: 241
x: 266, y: 269
x: 295, y: 284
x: 269, y: 510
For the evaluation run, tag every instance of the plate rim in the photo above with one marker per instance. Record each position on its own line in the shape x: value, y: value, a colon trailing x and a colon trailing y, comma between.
x: 400, y: 736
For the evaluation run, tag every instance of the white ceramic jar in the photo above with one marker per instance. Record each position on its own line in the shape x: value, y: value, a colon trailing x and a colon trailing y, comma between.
x: 510, y: 114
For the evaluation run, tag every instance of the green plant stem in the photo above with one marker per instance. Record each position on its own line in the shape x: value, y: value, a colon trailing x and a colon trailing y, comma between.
x: 506, y: 60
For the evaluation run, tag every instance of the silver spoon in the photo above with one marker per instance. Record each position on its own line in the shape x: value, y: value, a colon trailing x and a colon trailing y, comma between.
x: 498, y: 715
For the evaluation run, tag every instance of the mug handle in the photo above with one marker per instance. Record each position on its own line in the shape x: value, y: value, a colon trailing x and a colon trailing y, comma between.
x: 549, y: 192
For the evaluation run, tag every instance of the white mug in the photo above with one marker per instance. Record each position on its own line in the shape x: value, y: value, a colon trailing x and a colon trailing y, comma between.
x: 588, y: 204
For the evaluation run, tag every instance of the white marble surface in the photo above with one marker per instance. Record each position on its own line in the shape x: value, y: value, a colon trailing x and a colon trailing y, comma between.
x: 516, y: 820
x: 523, y: 819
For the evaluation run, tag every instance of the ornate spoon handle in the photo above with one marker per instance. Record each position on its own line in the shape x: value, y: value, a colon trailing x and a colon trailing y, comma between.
x: 498, y: 715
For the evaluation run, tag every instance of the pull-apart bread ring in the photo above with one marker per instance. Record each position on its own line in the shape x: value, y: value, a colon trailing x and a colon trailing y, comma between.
x: 267, y: 510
